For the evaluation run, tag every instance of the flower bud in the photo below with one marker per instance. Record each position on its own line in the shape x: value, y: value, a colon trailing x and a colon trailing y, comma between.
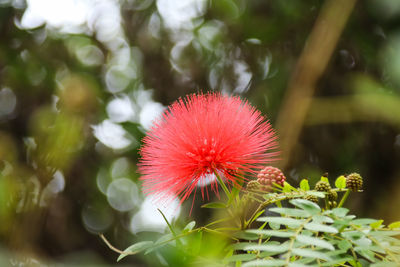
x: 354, y: 182
x: 270, y: 175
x: 253, y: 186
x: 322, y: 186
x: 311, y: 198
x: 332, y: 195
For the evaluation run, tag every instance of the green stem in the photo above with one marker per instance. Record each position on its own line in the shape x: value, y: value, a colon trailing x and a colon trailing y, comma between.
x: 226, y: 190
x: 264, y: 204
x: 327, y: 206
x: 170, y: 227
x: 253, y: 216
x: 344, y: 198
x: 293, y: 239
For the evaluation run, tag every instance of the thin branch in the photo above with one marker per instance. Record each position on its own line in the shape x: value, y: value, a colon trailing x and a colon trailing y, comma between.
x: 114, y: 248
x: 293, y: 238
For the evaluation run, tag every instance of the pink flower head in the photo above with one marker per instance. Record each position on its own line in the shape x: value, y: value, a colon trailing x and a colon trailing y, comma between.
x: 200, y: 135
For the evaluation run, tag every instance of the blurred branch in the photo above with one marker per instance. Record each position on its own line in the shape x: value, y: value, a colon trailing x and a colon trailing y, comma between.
x: 312, y: 63
x: 360, y: 107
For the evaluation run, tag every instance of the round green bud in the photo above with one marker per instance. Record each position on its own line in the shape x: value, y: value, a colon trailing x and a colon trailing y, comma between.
x: 354, y: 182
x: 322, y: 186
x: 332, y: 195
x: 311, y: 198
x: 253, y: 186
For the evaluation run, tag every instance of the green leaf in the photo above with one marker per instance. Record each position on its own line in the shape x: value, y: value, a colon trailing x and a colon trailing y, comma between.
x: 246, y: 235
x: 291, y: 212
x: 340, y: 212
x: 287, y: 187
x: 366, y: 253
x: 336, y: 253
x: 282, y: 233
x: 162, y: 241
x: 322, y: 219
x: 136, y: 248
x: 363, y: 242
x: 384, y: 264
x: 241, y: 257
x: 165, y: 238
x: 344, y: 244
x: 350, y: 217
x: 304, y: 185
x: 363, y: 221
x: 282, y: 220
x: 259, y: 213
x: 384, y: 233
x: 324, y: 179
x: 267, y: 254
x: 265, y: 263
x: 394, y: 225
x: 242, y: 245
x: 308, y: 240
x: 239, y: 246
x: 311, y: 254
x: 268, y: 247
x: 275, y: 226
x: 340, y: 182
x: 317, y: 227
x: 352, y: 235
x: 195, y: 244
x: 229, y: 253
x: 237, y: 186
x: 377, y: 249
x: 375, y: 225
x: 297, y: 264
x: 355, y: 263
x: 337, y: 262
x: 214, y: 205
x: 306, y: 205
x: 189, y: 226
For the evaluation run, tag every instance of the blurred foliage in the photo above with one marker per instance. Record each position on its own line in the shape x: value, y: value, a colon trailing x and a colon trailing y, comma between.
x: 80, y: 84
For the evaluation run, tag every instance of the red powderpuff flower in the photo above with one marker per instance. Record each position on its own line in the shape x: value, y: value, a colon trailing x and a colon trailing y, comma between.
x: 201, y: 135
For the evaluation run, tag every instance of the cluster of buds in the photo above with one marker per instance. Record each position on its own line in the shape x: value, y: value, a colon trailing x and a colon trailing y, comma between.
x: 323, y: 186
x: 270, y: 175
x: 354, y: 182
x: 253, y: 186
x: 266, y: 179
x: 331, y: 195
x: 311, y: 198
x: 332, y: 204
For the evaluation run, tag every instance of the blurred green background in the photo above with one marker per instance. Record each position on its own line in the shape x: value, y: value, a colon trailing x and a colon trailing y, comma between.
x: 81, y: 82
